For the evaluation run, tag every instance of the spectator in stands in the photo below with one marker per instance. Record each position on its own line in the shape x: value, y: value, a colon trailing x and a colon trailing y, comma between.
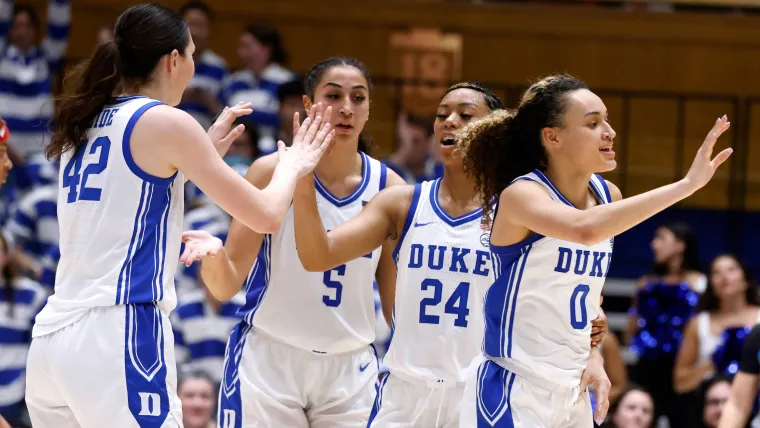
x: 716, y: 392
x: 26, y: 69
x: 197, y: 393
x: 290, y: 96
x: 202, y: 325
x: 20, y: 301
x: 744, y: 388
x: 49, y: 265
x: 413, y: 160
x: 33, y: 228
x: 665, y: 301
x: 201, y: 98
x: 241, y: 154
x: 634, y: 408
x: 614, y: 365
x: 713, y: 339
x: 260, y: 49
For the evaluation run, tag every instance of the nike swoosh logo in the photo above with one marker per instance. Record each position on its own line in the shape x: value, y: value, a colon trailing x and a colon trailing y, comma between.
x: 364, y: 367
x: 423, y: 224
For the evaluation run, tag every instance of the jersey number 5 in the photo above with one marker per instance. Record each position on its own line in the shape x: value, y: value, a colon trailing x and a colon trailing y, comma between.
x: 71, y: 172
x: 455, y: 305
x: 578, y: 299
x: 330, y: 283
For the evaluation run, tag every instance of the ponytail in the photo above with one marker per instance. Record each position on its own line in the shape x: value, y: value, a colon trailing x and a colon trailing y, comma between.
x: 96, y: 82
x: 480, y: 142
x: 143, y: 34
x: 504, y: 145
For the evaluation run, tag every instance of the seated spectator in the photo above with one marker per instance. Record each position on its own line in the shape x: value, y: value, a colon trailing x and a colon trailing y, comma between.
x: 716, y: 392
x: 33, y: 227
x: 614, y: 365
x: 20, y: 301
x: 744, y: 388
x: 202, y: 325
x: 27, y: 68
x: 260, y: 49
x: 198, y: 395
x: 413, y: 159
x: 634, y: 408
x: 290, y: 96
x: 665, y: 301
x: 241, y: 154
x: 713, y: 340
x: 201, y: 98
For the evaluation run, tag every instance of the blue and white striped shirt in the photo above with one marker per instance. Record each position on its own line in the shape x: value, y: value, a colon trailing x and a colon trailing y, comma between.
x: 34, y: 222
x: 210, y: 70
x: 201, y: 333
x: 16, y: 321
x: 262, y: 94
x: 211, y: 219
x: 26, y: 77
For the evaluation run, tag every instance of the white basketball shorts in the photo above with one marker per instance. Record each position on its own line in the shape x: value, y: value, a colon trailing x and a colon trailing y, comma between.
x: 113, y: 368
x: 497, y: 398
x: 270, y: 384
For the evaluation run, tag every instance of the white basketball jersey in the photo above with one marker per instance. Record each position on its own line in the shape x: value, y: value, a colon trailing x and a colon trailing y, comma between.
x: 444, y: 270
x: 120, y: 227
x: 323, y: 312
x: 539, y: 310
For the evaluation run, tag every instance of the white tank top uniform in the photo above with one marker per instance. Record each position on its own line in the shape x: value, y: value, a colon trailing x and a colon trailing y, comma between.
x: 107, y: 323
x: 311, y: 325
x: 444, y: 269
x: 537, y: 334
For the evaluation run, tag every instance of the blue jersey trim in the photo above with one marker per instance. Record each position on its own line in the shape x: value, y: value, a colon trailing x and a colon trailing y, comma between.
x: 127, y: 151
x: 443, y: 215
x: 383, y: 175
x: 409, y: 217
x: 341, y: 202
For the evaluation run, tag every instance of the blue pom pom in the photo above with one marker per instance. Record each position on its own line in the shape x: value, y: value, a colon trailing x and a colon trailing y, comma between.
x: 663, y: 311
x: 727, y: 355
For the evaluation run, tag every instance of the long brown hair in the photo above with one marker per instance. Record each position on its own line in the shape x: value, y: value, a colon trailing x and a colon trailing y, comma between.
x: 142, y: 36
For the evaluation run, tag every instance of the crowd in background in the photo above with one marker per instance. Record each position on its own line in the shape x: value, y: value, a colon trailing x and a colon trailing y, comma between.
x: 671, y: 364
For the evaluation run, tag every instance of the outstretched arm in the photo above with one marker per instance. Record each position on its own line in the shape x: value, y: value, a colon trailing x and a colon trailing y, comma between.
x: 532, y: 209
x: 186, y: 147
x: 381, y: 219
x: 224, y: 268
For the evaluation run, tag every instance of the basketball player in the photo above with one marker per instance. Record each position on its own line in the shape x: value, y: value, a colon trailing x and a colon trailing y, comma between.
x: 444, y: 269
x: 302, y: 356
x: 102, y: 349
x: 551, y: 246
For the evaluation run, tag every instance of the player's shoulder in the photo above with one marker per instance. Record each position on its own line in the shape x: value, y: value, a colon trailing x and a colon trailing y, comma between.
x: 524, y: 187
x: 615, y: 192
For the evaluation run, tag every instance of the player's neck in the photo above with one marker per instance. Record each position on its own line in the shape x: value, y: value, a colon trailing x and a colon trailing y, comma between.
x: 460, y: 188
x: 337, y: 164
x: 152, y: 90
x: 573, y: 184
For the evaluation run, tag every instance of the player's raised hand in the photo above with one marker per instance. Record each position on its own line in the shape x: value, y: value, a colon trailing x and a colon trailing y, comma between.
x: 198, y: 245
x: 310, y: 142
x: 221, y: 134
x: 704, y: 166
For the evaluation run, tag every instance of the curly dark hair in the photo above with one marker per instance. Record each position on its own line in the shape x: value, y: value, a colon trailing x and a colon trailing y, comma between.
x: 504, y: 145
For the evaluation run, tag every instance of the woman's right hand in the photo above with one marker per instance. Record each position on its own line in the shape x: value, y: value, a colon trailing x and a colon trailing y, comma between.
x: 704, y: 166
x: 310, y: 142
